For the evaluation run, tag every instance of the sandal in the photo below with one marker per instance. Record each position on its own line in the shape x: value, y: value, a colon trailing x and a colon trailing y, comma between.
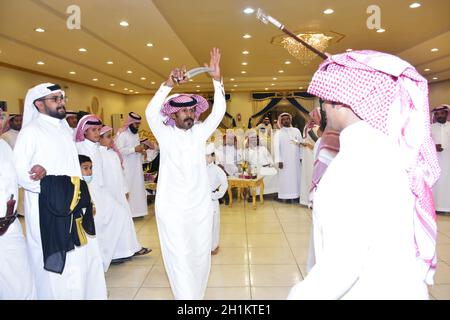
x: 142, y: 252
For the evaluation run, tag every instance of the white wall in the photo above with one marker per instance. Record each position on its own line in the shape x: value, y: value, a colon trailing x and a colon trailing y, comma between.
x: 439, y: 93
x: 14, y: 85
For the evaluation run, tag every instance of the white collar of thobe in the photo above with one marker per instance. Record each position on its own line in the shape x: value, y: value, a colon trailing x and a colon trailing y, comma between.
x: 347, y: 136
x: 52, y: 120
x: 90, y: 144
x: 14, y: 131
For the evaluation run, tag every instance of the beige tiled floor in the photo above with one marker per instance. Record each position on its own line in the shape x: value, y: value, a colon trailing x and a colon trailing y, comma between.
x: 262, y: 255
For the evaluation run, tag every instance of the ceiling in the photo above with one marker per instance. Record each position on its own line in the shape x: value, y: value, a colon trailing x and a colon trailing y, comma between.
x: 185, y: 31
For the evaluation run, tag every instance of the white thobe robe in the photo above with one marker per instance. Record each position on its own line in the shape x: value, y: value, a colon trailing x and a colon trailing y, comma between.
x: 183, y: 200
x: 10, y: 137
x: 48, y: 142
x: 110, y: 217
x: 288, y: 152
x: 126, y: 142
x: 229, y: 157
x: 307, y: 168
x: 115, y: 184
x: 441, y: 190
x: 16, y: 278
x: 260, y: 158
x: 364, y: 225
x: 219, y: 185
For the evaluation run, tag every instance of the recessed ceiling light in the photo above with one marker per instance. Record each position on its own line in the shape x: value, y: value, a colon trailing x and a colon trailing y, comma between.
x: 266, y: 88
x: 349, y: 50
x: 232, y: 79
x: 435, y: 78
x: 39, y: 30
x: 190, y: 80
x: 434, y: 50
x: 235, y: 85
x: 381, y: 30
x: 245, y: 52
x: 198, y: 90
x: 112, y: 84
x: 249, y: 10
x: 137, y: 92
x: 415, y: 5
x: 124, y: 23
x: 126, y: 89
x: 153, y: 82
x: 143, y: 78
x: 328, y: 11
x: 149, y: 44
x: 232, y: 89
x: 272, y: 84
x: 197, y: 86
x: 131, y: 90
x: 95, y: 79
x: 243, y: 72
x: 72, y: 72
x: 287, y: 62
x: 109, y: 62
x: 246, y: 36
x: 82, y: 50
x: 40, y: 63
x: 280, y: 71
x: 426, y: 70
x: 300, y: 88
x: 129, y: 71
x: 274, y: 78
x: 166, y: 59
x: 244, y: 63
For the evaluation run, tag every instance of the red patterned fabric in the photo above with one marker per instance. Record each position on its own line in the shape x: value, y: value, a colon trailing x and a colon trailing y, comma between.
x: 391, y: 96
x: 83, y: 126
x: 201, y: 106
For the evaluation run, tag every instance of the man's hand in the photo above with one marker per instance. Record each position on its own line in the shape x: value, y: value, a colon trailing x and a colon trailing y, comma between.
x: 439, y: 148
x: 177, y: 76
x: 214, y: 64
x: 280, y: 165
x: 37, y: 172
x: 139, y: 149
x: 127, y: 195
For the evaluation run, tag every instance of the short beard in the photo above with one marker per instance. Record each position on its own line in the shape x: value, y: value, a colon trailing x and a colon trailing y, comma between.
x: 55, y: 114
x: 133, y: 129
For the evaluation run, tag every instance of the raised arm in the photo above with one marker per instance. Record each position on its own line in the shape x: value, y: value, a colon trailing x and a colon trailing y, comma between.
x: 153, y: 112
x: 219, y: 107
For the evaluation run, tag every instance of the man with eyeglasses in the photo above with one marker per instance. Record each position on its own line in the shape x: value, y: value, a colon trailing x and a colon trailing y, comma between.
x: 45, y: 146
x: 374, y: 220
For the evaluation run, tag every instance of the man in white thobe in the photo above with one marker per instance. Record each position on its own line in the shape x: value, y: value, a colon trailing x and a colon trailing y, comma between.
x: 374, y: 220
x: 219, y: 184
x: 265, y: 133
x: 183, y: 200
x: 261, y: 162
x: 310, y: 136
x: 128, y: 143
x: 72, y: 120
x: 228, y: 155
x: 14, y: 125
x: 16, y: 278
x: 440, y: 130
x: 287, y: 154
x: 45, y: 146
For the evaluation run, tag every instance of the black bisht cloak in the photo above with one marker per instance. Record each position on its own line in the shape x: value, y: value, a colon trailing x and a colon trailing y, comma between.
x: 59, y: 230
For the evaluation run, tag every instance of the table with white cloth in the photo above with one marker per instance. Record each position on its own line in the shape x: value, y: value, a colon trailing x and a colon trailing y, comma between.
x: 252, y: 184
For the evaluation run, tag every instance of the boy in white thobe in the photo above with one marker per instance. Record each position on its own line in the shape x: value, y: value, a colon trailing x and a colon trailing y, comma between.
x: 219, y: 184
x: 45, y: 146
x: 183, y: 200
x: 374, y: 220
x: 115, y: 183
x: 440, y: 130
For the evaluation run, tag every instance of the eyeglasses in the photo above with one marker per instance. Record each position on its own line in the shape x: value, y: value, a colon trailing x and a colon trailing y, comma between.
x: 56, y: 99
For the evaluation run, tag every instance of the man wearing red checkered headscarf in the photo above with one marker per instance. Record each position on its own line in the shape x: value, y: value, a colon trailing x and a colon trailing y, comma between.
x: 440, y: 130
x: 183, y: 200
x: 374, y: 218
